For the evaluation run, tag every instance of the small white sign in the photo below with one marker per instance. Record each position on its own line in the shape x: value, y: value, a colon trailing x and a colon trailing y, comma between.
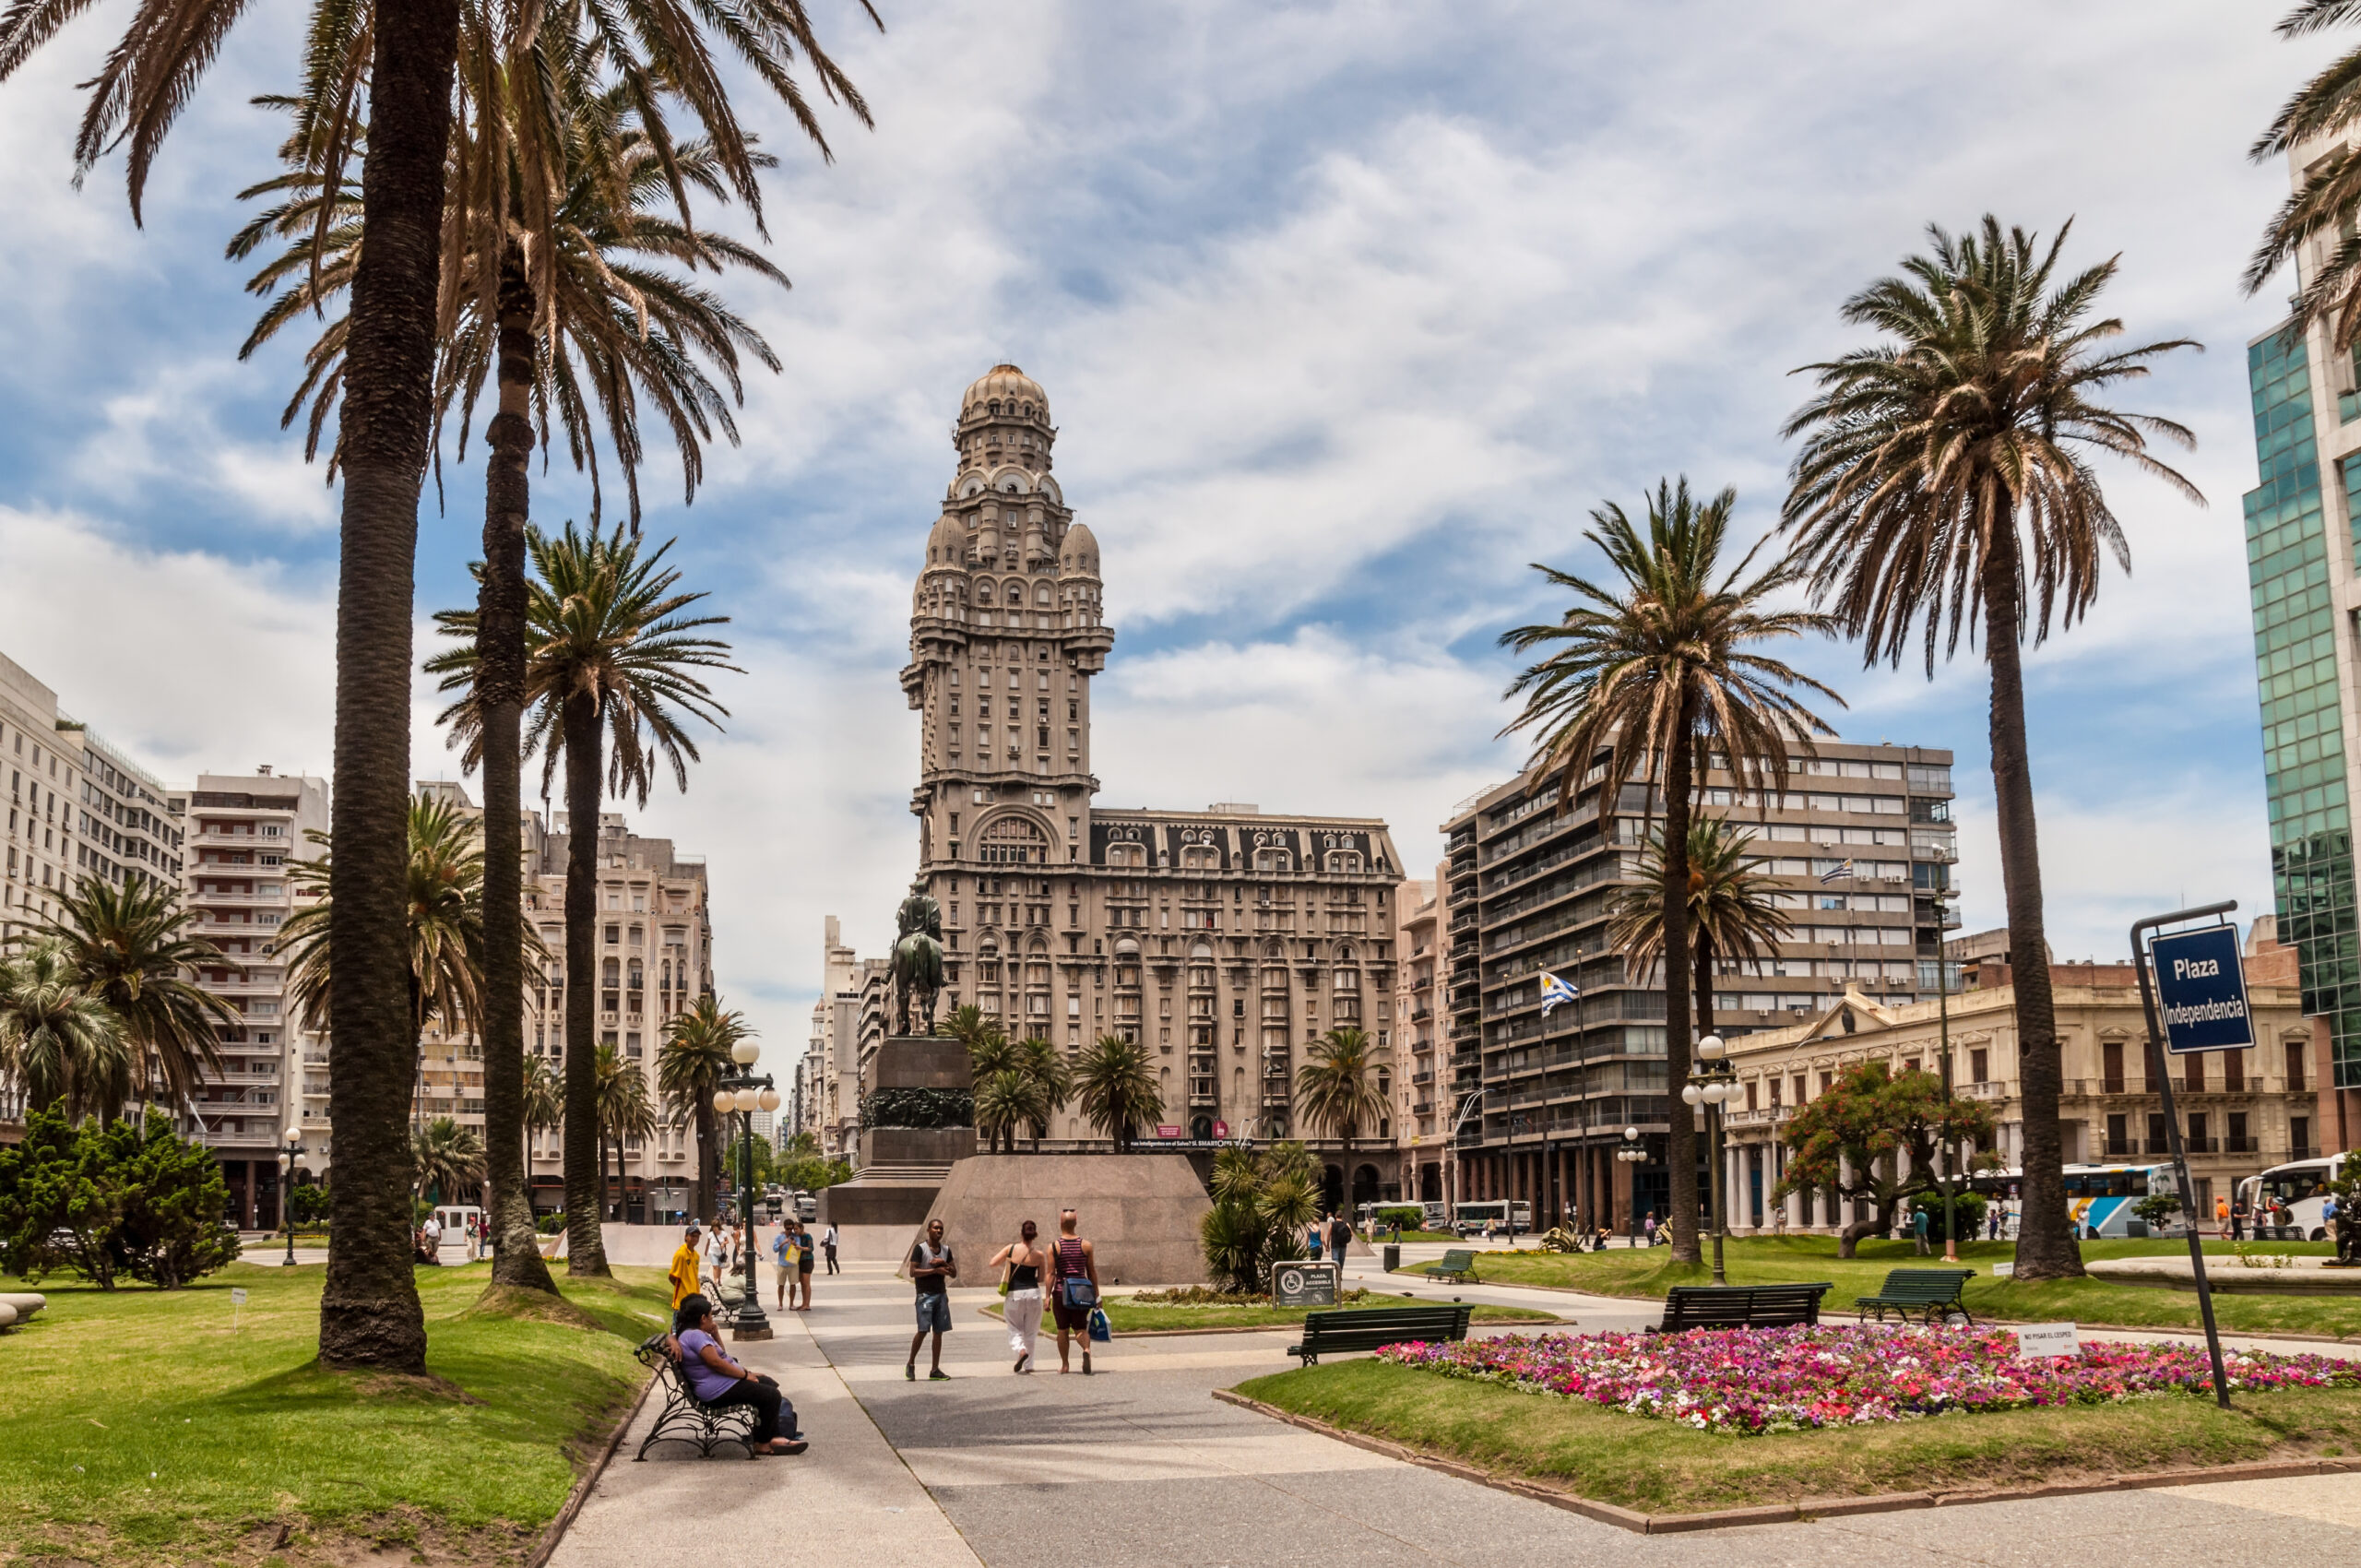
x: 237, y: 1296
x: 2036, y: 1340
x: 2003, y: 1270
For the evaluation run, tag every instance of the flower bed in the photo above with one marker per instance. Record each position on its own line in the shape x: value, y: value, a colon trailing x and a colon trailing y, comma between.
x: 1758, y: 1380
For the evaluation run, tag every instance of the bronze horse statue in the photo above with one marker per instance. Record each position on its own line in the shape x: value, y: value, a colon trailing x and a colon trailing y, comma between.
x: 916, y: 967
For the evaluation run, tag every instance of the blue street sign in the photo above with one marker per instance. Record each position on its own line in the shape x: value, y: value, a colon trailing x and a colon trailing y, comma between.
x: 2204, y: 990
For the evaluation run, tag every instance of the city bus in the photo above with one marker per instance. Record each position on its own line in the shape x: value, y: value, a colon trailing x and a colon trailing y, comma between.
x: 1472, y: 1215
x: 2301, y: 1185
x: 2099, y: 1199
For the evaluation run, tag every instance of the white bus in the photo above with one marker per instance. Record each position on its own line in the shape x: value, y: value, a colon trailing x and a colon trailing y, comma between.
x: 2099, y: 1199
x: 1471, y: 1216
x: 2301, y: 1186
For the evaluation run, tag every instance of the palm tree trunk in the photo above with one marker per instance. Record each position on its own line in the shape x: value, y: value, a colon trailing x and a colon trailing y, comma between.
x: 2043, y: 1251
x: 1680, y: 1142
x: 369, y: 1309
x: 500, y: 694
x: 586, y: 1159
x: 706, y: 1156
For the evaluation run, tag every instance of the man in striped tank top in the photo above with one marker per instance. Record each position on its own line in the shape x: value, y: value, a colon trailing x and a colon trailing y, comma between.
x: 1076, y: 1265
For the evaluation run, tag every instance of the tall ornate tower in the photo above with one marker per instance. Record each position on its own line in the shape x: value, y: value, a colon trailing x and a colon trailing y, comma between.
x: 1006, y: 630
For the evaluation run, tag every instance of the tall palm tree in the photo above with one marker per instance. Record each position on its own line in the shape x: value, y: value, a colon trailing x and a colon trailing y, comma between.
x: 1634, y: 679
x: 447, y: 1161
x: 2328, y: 205
x: 621, y: 1109
x: 1005, y: 1100
x: 694, y: 1059
x: 1732, y: 914
x: 405, y: 64
x: 1337, y: 1085
x: 1116, y: 1088
x: 133, y: 949
x: 1045, y: 1066
x: 1945, y: 479
x: 544, y: 1098
x: 612, y: 660
x: 58, y: 1038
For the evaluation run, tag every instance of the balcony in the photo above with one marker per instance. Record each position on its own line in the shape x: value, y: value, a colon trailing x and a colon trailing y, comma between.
x: 1765, y: 1116
x: 239, y: 900
x: 2238, y: 1145
x: 1981, y: 1091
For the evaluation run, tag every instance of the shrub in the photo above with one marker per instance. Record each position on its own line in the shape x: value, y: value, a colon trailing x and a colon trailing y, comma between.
x: 1970, y: 1206
x: 1262, y: 1203
x: 1409, y: 1217
x: 111, y: 1200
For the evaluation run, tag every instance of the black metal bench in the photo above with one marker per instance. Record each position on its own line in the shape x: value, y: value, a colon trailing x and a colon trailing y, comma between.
x: 685, y: 1418
x: 1741, y: 1306
x: 1456, y: 1264
x: 1932, y: 1293
x: 1370, y: 1327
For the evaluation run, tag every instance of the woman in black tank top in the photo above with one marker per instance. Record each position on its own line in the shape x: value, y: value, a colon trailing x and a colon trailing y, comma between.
x: 1024, y: 1261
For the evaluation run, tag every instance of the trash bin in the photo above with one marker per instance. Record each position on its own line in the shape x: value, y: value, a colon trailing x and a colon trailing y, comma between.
x: 1392, y: 1258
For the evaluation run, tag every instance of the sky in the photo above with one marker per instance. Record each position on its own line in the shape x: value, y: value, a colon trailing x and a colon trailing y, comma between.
x: 1347, y: 312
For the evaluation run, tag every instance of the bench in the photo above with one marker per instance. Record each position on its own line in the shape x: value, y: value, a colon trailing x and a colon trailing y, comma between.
x: 1456, y: 1265
x: 1741, y: 1306
x: 685, y: 1418
x: 1931, y: 1293
x: 1367, y: 1328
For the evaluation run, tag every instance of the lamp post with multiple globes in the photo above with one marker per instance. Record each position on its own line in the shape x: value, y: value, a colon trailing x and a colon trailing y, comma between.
x: 745, y: 1094
x: 1713, y: 1083
x: 1633, y: 1153
x: 292, y: 1151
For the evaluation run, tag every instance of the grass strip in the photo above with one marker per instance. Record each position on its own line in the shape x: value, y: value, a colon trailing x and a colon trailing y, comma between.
x: 144, y: 1426
x: 1658, y: 1467
x: 1649, y: 1272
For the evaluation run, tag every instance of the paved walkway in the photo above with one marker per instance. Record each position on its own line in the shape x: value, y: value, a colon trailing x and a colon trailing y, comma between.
x: 1138, y: 1468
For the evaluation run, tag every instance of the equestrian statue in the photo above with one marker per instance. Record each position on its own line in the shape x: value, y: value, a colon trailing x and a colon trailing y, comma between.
x: 917, y: 965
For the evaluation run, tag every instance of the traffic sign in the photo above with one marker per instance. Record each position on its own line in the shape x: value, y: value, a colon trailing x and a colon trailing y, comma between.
x: 2202, y: 988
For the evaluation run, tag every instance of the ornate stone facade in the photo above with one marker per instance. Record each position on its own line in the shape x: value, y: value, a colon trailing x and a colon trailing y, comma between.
x: 1227, y: 938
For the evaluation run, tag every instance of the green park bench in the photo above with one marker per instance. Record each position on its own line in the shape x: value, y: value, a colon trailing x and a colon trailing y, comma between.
x: 1931, y: 1293
x: 1456, y: 1264
x: 1740, y: 1306
x: 1368, y: 1328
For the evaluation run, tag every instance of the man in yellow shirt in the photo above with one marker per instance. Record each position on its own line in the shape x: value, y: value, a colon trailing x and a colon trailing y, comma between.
x: 683, y: 1272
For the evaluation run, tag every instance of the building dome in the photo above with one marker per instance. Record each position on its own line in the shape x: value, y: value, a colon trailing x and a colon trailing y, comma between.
x: 946, y: 547
x: 1016, y: 393
x: 1078, y: 555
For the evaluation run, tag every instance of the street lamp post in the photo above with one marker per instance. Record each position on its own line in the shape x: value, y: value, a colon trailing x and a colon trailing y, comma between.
x: 1633, y: 1154
x: 1713, y: 1084
x: 745, y: 1094
x: 287, y: 1158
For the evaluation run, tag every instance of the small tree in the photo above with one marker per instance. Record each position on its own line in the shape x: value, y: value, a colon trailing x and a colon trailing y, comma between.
x: 2157, y: 1208
x: 1852, y: 1138
x: 1262, y: 1202
x: 112, y: 1201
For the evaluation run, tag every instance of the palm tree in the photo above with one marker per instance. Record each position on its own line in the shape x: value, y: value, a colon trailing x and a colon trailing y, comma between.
x: 544, y: 1096
x: 1005, y: 1100
x: 1045, y: 1066
x: 58, y: 1038
x: 1731, y: 911
x: 1116, y: 1088
x: 1945, y: 479
x: 2327, y: 206
x: 612, y: 654
x: 448, y: 1159
x: 405, y: 63
x: 1336, y: 1087
x: 132, y: 947
x: 1636, y: 679
x: 621, y: 1109
x: 690, y: 1064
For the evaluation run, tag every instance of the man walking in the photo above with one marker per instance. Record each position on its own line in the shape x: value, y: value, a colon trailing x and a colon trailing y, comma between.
x: 683, y: 1272
x: 932, y: 1270
x: 828, y: 1245
x: 1340, y: 1242
x: 1918, y: 1230
x: 1076, y: 1265
x: 803, y: 1261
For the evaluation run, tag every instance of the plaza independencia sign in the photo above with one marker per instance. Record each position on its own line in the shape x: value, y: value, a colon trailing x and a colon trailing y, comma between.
x: 2201, y: 988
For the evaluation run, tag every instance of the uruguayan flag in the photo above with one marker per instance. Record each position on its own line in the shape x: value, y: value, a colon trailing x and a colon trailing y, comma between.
x: 1838, y: 872
x: 1554, y: 991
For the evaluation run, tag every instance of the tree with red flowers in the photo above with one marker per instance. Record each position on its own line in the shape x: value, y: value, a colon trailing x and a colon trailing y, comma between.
x: 1851, y: 1139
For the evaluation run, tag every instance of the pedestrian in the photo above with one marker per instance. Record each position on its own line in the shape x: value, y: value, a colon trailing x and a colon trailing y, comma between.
x: 718, y: 1380
x: 932, y: 1268
x: 2238, y: 1221
x: 683, y: 1272
x: 783, y: 1262
x: 1075, y: 1263
x: 1022, y: 1303
x: 2220, y: 1216
x: 1340, y: 1242
x: 1992, y: 1223
x: 804, y: 1262
x: 717, y: 1259
x: 431, y: 1233
x: 828, y: 1245
x: 1313, y: 1239
x: 1918, y: 1230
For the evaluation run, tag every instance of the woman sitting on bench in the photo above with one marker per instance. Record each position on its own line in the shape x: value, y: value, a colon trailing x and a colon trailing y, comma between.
x: 720, y: 1382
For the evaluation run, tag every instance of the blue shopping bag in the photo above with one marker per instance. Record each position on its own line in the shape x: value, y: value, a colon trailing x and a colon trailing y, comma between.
x: 1099, y: 1331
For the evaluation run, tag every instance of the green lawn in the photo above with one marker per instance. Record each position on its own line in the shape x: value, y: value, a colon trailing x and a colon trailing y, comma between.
x: 141, y: 1426
x: 1127, y: 1316
x: 1658, y: 1467
x: 1650, y: 1271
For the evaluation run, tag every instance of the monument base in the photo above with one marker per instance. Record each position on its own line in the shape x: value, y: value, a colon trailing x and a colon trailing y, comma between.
x: 1140, y: 1212
x: 877, y: 1203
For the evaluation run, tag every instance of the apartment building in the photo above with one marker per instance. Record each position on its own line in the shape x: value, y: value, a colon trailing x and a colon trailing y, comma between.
x: 849, y: 1023
x: 242, y: 829
x: 1421, y: 1112
x: 1860, y: 847
x: 655, y: 957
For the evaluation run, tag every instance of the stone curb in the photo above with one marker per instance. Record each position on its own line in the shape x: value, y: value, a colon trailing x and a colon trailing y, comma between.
x: 581, y: 1493
x: 1805, y: 1512
x: 1285, y: 1327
